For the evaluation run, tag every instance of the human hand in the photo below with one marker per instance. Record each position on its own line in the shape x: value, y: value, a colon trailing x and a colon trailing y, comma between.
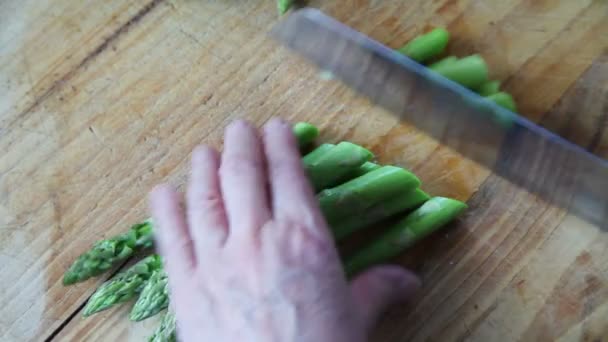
x: 251, y: 257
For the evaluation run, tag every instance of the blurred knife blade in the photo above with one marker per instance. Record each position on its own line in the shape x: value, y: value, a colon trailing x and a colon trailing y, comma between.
x: 513, y: 147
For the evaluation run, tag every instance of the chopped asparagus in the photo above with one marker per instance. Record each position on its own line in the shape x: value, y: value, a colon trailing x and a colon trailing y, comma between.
x: 284, y: 5
x: 426, y: 46
x: 124, y: 286
x: 489, y: 88
x: 443, y: 62
x: 313, y: 156
x: 305, y: 133
x: 504, y: 100
x: 423, y: 221
x: 154, y: 297
x: 365, y: 191
x: 378, y: 212
x: 108, y: 253
x: 470, y: 71
x: 331, y: 168
x: 367, y: 167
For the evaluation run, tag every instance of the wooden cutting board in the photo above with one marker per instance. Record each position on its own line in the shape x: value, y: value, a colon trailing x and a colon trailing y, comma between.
x: 99, y: 101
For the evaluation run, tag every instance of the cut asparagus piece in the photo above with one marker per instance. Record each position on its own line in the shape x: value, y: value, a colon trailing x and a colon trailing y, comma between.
x: 426, y: 46
x: 305, y: 133
x: 316, y: 154
x: 166, y: 331
x: 124, y: 286
x: 284, y: 5
x: 443, y: 62
x: 423, y: 221
x: 335, y: 164
x: 504, y: 100
x: 489, y: 88
x: 108, y: 253
x: 470, y: 71
x: 365, y: 191
x: 367, y: 167
x: 154, y: 297
x: 379, y: 212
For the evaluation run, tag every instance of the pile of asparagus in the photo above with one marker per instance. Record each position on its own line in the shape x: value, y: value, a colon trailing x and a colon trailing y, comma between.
x: 353, y: 193
x: 470, y: 71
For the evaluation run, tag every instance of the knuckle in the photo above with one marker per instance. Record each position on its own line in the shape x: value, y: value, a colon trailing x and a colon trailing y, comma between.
x: 212, y: 202
x: 240, y: 166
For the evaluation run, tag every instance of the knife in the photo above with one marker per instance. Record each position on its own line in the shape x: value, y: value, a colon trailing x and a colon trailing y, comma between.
x: 513, y: 147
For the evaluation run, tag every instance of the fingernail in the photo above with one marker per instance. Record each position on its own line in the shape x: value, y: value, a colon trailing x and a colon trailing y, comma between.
x: 276, y: 121
x: 238, y: 124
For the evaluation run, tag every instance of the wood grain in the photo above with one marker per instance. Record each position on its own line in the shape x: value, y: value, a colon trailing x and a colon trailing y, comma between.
x: 98, y: 106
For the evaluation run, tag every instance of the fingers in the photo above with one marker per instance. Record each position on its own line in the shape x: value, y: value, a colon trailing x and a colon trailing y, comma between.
x: 243, y: 180
x: 376, y: 289
x: 171, y: 231
x: 206, y: 216
x: 291, y: 193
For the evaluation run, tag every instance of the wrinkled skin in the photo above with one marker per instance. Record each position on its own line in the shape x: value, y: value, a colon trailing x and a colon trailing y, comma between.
x: 251, y: 258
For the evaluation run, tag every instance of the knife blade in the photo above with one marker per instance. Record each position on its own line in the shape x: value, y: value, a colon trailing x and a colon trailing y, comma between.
x: 513, y: 147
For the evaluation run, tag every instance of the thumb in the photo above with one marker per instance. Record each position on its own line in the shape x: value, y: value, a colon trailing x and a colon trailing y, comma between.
x: 379, y: 287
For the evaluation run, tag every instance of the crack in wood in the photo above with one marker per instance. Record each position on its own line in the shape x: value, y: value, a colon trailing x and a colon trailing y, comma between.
x: 58, y: 84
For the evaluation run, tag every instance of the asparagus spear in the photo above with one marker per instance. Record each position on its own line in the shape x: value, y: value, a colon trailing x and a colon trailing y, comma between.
x: 367, y: 167
x: 305, y: 133
x: 154, y: 297
x: 423, y: 221
x: 504, y: 100
x: 106, y: 254
x: 317, y: 153
x: 166, y: 331
x: 331, y: 168
x: 489, y: 88
x: 470, y: 71
x: 313, y: 156
x: 284, y: 5
x: 426, y: 46
x: 124, y: 286
x: 379, y: 212
x: 443, y: 62
x: 362, y: 192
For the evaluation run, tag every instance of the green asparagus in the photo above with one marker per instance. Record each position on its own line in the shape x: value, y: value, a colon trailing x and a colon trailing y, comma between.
x: 313, y: 156
x: 443, y: 62
x: 426, y: 46
x: 305, y: 133
x: 367, y: 167
x: 154, y: 297
x: 284, y: 5
x: 108, y: 253
x: 489, y: 88
x: 378, y: 212
x: 470, y: 71
x: 423, y: 221
x: 365, y: 191
x: 166, y: 331
x: 124, y: 286
x: 331, y: 168
x: 504, y: 100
